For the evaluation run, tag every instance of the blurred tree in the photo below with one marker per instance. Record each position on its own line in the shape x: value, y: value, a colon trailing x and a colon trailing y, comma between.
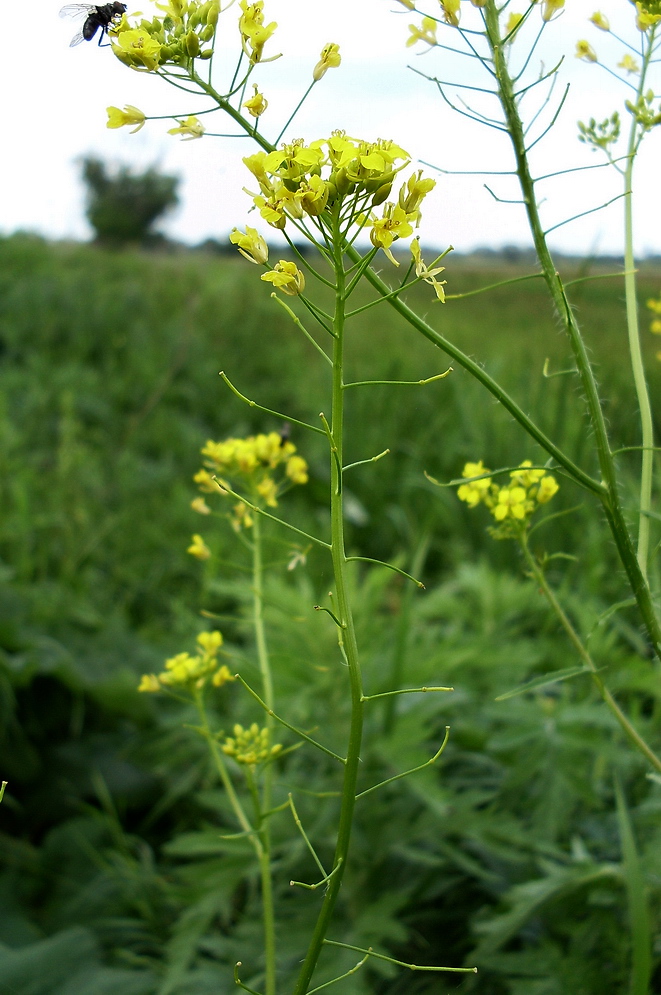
x: 123, y: 206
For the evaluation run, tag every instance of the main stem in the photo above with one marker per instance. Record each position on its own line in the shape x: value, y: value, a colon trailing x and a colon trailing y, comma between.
x: 348, y: 640
x: 642, y: 393
x: 267, y: 785
x: 610, y: 498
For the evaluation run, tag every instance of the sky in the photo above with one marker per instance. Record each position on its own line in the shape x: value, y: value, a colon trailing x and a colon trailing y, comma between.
x: 54, y: 99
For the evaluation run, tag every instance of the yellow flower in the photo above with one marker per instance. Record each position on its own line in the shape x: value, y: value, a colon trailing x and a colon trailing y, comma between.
x: 393, y: 225
x: 198, y: 548
x: 205, y: 482
x: 413, y: 193
x: 286, y: 277
x: 135, y: 47
x: 251, y: 245
x: 511, y: 504
x: 330, y: 58
x: 425, y: 273
x: 426, y: 32
x: 297, y: 470
x: 210, y: 641
x: 513, y: 22
x: 475, y: 491
x: 189, y: 126
x: 600, y: 21
x: 451, y: 11
x: 242, y: 517
x: 199, y: 505
x: 267, y: 490
x: 526, y: 477
x: 150, y: 683
x: 547, y: 488
x: 550, y: 7
x: 629, y: 64
x: 257, y: 104
x: 645, y: 19
x: 585, y: 51
x: 250, y: 746
x: 130, y: 115
x: 254, y: 33
x: 222, y: 676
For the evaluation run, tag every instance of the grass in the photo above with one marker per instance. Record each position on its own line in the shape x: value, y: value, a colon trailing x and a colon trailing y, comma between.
x: 508, y: 853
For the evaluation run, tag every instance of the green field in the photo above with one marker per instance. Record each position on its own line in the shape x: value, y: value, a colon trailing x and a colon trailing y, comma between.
x: 508, y: 854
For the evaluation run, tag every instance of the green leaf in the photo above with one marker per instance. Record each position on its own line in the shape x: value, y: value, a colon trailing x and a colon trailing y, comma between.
x: 641, y: 937
x: 543, y: 681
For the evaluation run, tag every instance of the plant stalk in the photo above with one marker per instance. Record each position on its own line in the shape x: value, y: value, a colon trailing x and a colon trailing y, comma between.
x: 347, y: 631
x: 610, y: 497
x: 267, y: 784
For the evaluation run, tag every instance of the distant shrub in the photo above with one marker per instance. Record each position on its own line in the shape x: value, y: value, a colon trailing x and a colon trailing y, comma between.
x: 123, y: 206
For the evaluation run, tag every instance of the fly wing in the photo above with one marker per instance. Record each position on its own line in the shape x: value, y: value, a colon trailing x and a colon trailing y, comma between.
x: 76, y: 9
x: 77, y: 38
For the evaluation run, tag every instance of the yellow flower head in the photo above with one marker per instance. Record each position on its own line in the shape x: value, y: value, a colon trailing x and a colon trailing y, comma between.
x: 585, y: 51
x: 198, y: 548
x: 130, y: 115
x: 476, y: 490
x: 136, y: 47
x: 257, y: 104
x: 254, y: 33
x: 191, y: 127
x: 451, y: 12
x: 600, y: 21
x: 646, y: 18
x: 426, y: 33
x: 286, y: 277
x: 330, y: 58
x: 297, y: 470
x: 199, y: 505
x: 426, y: 273
x: 551, y: 7
x: 394, y: 224
x: 250, y: 746
x: 187, y: 672
x: 251, y: 245
x: 629, y: 64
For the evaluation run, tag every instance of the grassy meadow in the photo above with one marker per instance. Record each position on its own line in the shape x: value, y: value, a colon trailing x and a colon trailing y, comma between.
x: 509, y: 854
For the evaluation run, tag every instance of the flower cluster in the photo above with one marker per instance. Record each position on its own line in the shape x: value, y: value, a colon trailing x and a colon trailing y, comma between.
x: 512, y: 504
x: 451, y: 15
x: 264, y: 465
x: 174, y: 38
x: 185, y: 672
x: 345, y: 176
x: 250, y: 746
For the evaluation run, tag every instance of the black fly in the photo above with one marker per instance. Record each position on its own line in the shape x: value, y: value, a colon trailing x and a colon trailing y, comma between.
x: 96, y: 16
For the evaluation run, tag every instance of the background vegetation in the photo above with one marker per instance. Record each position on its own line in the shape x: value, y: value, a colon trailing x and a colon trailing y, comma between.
x: 508, y: 854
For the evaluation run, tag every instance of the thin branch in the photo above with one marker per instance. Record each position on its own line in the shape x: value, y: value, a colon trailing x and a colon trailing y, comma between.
x: 288, y: 725
x: 552, y: 121
x: 224, y: 489
x: 268, y: 411
x: 362, y: 462
x: 401, y: 963
x: 346, y: 974
x: 390, y: 566
x: 399, y: 383
x: 237, y: 980
x: 388, y: 694
x: 305, y: 836
x: 413, y: 770
x: 583, y: 213
x: 326, y: 878
x: 299, y: 324
x: 502, y: 200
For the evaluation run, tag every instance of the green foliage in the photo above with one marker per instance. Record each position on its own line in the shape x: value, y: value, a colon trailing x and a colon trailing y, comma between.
x: 117, y: 871
x: 122, y: 205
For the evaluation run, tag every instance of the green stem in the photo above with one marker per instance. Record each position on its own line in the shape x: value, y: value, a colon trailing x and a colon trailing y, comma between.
x: 348, y: 632
x: 631, y: 733
x: 223, y: 774
x: 609, y: 492
x: 267, y: 785
x: 642, y: 393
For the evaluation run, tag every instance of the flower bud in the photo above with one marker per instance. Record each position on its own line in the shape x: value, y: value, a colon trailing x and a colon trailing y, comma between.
x: 192, y: 44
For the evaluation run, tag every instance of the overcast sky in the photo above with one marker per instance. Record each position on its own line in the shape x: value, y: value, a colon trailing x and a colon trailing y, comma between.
x: 54, y: 99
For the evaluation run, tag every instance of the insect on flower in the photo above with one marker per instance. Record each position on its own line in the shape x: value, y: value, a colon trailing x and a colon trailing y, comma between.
x: 96, y: 16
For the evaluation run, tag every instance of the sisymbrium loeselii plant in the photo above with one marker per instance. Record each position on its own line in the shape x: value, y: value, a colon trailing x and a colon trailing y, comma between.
x: 335, y: 194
